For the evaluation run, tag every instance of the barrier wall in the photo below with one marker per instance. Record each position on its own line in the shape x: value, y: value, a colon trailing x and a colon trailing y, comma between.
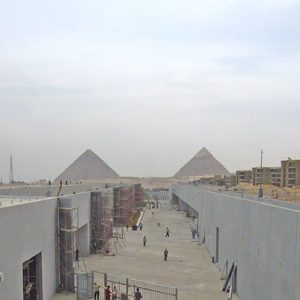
x: 261, y: 238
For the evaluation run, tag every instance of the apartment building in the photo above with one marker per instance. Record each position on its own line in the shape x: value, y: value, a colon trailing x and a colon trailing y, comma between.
x: 243, y: 176
x: 266, y: 175
x: 290, y: 173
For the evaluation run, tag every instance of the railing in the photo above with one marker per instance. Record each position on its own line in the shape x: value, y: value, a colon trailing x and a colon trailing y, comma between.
x: 149, y: 290
x: 230, y: 281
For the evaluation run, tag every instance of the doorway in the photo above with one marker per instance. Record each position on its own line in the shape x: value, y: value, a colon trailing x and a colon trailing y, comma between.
x: 32, y: 278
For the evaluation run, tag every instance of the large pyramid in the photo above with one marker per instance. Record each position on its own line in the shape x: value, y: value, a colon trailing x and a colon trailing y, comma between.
x: 88, y: 166
x: 202, y: 164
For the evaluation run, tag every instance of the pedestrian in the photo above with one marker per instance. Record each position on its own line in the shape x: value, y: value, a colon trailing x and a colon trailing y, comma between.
x: 167, y: 232
x: 144, y: 240
x: 141, y: 226
x: 166, y: 254
x: 114, y: 293
x: 127, y: 227
x: 138, y: 295
x: 96, y: 291
x: 77, y: 255
x: 107, y: 293
x: 193, y: 233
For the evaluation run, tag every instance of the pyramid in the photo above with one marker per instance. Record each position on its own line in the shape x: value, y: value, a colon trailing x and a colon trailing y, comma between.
x: 88, y: 166
x: 202, y: 164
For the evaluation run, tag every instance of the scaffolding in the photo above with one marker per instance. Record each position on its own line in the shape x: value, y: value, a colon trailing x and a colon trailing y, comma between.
x: 138, y: 196
x: 123, y: 205
x: 127, y: 200
x: 67, y: 245
x: 101, y: 221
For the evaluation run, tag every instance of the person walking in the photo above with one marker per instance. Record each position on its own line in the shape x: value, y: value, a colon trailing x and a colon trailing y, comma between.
x: 144, y: 240
x: 141, y: 226
x: 77, y: 255
x: 107, y: 293
x: 138, y: 295
x: 96, y: 291
x: 114, y: 293
x: 193, y: 233
x: 167, y: 232
x: 166, y: 254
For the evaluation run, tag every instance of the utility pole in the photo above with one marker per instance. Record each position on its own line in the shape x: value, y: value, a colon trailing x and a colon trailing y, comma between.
x: 11, y: 171
x: 260, y: 191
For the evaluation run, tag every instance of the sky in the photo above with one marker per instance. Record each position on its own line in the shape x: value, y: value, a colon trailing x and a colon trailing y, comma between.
x: 147, y: 84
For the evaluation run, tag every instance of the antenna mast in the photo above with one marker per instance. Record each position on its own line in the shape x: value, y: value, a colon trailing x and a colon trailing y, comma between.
x: 11, y: 171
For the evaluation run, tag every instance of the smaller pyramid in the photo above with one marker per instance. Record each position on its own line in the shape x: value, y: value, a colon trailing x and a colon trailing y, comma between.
x: 88, y: 166
x: 202, y: 164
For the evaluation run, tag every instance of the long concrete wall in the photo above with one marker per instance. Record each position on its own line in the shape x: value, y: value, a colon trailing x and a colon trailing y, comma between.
x: 48, y: 191
x: 262, y: 238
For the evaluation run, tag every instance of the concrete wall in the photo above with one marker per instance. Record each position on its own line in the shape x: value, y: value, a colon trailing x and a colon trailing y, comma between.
x: 84, y: 240
x: 28, y: 229
x: 263, y: 239
x: 81, y: 201
x: 25, y: 231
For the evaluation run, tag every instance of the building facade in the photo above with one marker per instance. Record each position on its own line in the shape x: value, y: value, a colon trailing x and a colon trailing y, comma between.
x: 260, y: 238
x: 243, y: 176
x: 290, y: 173
x: 42, y: 237
x: 266, y: 175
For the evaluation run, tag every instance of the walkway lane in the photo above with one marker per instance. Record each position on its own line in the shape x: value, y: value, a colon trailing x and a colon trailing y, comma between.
x: 188, y: 267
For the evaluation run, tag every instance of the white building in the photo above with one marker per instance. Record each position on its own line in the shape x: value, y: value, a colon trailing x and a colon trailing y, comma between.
x: 38, y: 242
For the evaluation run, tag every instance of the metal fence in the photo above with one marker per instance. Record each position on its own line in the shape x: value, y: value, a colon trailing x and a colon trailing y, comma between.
x: 85, y: 286
x: 149, y: 291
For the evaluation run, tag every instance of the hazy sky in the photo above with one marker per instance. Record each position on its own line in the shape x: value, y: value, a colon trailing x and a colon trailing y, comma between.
x: 146, y: 84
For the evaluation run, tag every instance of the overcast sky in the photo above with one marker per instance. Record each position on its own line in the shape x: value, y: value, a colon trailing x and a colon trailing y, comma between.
x: 146, y: 84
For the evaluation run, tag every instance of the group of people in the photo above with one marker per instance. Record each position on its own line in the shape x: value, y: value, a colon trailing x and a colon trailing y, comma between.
x: 113, y: 295
x: 166, y: 252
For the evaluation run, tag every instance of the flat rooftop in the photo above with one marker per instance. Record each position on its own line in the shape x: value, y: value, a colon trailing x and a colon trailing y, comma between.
x: 6, y: 201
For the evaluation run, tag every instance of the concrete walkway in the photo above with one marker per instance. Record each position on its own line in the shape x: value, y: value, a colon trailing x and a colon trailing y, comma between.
x: 189, y: 266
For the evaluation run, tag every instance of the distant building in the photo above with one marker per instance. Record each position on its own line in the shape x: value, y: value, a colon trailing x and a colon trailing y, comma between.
x: 243, y: 176
x: 221, y: 180
x: 290, y: 173
x: 266, y: 175
x: 230, y: 180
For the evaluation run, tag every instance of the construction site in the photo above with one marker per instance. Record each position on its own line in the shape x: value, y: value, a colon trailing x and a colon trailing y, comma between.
x: 54, y: 232
x: 60, y: 239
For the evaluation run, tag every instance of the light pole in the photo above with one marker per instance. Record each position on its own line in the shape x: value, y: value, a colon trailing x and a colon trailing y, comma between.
x: 260, y: 191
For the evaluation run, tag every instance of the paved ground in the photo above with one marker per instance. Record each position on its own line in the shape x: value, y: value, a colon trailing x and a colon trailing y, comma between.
x: 188, y: 267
